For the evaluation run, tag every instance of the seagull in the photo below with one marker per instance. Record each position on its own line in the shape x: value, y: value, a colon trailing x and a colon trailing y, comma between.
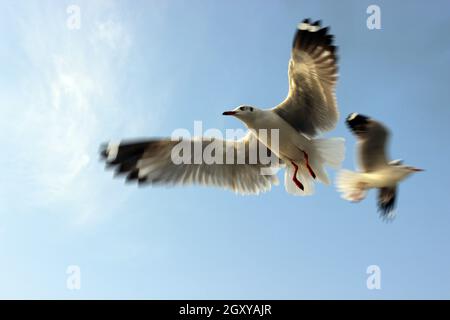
x: 376, y: 170
x: 309, y: 109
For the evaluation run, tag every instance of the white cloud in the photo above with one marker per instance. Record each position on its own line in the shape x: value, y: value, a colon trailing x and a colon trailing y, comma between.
x: 64, y: 106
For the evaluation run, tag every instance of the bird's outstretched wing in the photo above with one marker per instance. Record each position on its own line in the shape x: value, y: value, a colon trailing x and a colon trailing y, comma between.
x: 152, y: 162
x: 386, y: 202
x: 372, y: 140
x: 311, y: 106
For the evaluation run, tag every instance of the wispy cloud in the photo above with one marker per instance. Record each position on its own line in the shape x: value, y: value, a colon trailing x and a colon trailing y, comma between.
x: 66, y: 99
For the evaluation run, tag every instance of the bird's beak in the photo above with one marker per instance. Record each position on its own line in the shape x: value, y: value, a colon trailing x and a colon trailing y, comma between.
x: 417, y: 170
x: 229, y: 113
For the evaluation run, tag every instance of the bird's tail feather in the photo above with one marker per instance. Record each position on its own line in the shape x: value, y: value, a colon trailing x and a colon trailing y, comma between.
x: 352, y: 185
x: 323, y: 152
x: 303, y: 176
x: 328, y: 152
x: 331, y: 151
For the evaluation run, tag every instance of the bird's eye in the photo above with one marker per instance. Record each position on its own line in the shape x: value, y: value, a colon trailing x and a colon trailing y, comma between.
x: 242, y: 108
x: 251, y: 109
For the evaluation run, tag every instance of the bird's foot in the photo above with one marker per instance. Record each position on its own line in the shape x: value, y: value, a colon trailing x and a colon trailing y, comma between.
x: 294, y: 177
x: 311, y: 172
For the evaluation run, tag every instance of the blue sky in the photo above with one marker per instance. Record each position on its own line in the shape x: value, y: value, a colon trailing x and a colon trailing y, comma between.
x: 145, y: 68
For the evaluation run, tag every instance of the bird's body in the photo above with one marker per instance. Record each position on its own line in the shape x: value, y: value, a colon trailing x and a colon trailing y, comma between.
x: 376, y: 170
x: 302, y: 155
x: 293, y: 141
x: 388, y: 176
x: 309, y: 109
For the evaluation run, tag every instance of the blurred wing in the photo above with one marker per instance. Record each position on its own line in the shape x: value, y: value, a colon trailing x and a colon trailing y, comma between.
x: 386, y: 202
x: 372, y: 140
x: 310, y: 106
x: 150, y: 162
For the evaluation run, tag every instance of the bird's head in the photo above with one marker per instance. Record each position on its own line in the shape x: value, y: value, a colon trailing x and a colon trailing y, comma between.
x: 405, y: 171
x: 411, y: 169
x: 243, y: 113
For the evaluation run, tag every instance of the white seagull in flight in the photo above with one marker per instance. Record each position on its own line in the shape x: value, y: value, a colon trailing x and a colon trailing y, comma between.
x: 376, y: 170
x: 309, y: 109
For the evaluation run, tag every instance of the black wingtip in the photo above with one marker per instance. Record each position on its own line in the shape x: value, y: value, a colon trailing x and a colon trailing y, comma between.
x: 309, y: 39
x: 133, y: 175
x: 357, y: 122
x: 386, y: 203
x: 386, y: 212
x: 103, y: 150
x: 384, y: 208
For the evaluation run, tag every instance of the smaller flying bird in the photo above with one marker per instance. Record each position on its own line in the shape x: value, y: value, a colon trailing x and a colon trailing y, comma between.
x: 376, y: 170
